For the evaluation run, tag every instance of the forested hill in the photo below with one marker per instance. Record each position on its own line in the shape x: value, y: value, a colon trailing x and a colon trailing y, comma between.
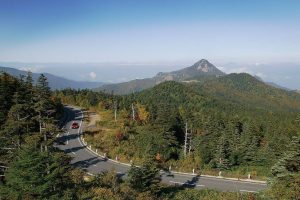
x: 246, y: 90
x: 236, y: 124
x: 233, y: 91
x: 236, y: 118
x: 55, y: 82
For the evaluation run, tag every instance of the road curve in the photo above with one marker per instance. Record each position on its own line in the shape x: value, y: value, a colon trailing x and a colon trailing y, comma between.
x: 92, y: 163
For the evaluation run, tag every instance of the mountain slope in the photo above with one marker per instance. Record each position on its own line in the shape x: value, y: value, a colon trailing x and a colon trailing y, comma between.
x: 202, y: 68
x: 241, y: 92
x: 277, y: 86
x: 251, y: 120
x: 55, y: 82
x: 247, y: 90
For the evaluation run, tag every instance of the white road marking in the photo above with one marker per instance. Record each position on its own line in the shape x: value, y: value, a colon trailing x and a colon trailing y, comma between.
x: 90, y: 174
x: 186, y: 184
x: 219, y: 179
x: 80, y: 129
x: 67, y: 139
x: 80, y: 121
x: 248, y: 191
x: 187, y: 175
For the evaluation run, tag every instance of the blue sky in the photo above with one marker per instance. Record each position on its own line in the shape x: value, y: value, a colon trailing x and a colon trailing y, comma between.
x: 147, y: 33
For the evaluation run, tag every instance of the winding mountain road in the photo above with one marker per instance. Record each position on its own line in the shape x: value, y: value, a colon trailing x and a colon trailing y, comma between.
x: 83, y: 158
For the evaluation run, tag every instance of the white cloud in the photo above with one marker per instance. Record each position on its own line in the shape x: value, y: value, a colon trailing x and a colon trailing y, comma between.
x: 240, y: 70
x: 31, y: 69
x: 93, y: 75
x: 222, y: 68
x: 261, y: 75
x: 257, y: 64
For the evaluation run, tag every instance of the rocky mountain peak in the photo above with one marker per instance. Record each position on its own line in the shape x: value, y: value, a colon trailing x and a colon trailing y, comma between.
x: 204, y: 66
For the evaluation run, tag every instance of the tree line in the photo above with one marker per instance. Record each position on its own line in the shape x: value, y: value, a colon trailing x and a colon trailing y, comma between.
x: 227, y: 133
x: 223, y: 136
x: 33, y: 168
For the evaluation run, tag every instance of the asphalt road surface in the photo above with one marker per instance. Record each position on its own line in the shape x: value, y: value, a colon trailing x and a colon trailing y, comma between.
x: 85, y: 159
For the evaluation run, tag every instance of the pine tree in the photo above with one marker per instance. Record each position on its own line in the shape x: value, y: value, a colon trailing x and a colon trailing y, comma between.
x: 170, y: 145
x: 252, y: 147
x: 8, y: 87
x: 29, y: 93
x: 286, y: 174
x: 37, y: 175
x: 289, y: 164
x: 19, y: 118
x: 222, y: 153
x: 43, y: 105
x: 144, y: 178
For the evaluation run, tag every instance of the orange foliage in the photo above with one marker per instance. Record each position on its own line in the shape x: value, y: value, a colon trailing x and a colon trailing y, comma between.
x: 119, y: 135
x: 157, y: 157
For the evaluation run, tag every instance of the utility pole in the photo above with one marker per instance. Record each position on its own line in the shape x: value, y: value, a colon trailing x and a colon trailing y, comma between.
x: 40, y: 123
x: 7, y: 148
x: 185, y: 140
x: 116, y: 107
x: 190, y: 143
x: 133, y: 112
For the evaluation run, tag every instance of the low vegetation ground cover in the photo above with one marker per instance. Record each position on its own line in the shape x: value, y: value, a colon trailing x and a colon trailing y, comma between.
x: 115, y: 140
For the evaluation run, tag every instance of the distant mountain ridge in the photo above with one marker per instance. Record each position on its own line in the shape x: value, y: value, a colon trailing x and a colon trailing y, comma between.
x: 55, y: 82
x: 277, y: 86
x: 202, y: 68
x: 234, y: 91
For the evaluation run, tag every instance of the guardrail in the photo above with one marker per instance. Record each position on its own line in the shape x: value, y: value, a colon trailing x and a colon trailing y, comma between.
x: 102, y: 155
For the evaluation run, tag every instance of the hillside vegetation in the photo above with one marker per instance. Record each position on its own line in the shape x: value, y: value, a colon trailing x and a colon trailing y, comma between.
x: 31, y: 167
x: 237, y: 124
x: 249, y: 91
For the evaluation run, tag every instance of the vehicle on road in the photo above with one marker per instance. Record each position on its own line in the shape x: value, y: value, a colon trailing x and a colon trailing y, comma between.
x: 75, y: 125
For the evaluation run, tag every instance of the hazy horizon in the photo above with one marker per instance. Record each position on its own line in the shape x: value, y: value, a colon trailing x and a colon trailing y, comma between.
x: 115, y: 41
x: 285, y: 74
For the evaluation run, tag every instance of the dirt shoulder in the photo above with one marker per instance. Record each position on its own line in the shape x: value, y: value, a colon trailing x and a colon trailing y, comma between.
x: 93, y: 118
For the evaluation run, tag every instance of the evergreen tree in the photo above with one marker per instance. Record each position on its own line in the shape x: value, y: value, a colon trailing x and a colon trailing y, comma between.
x: 43, y: 102
x: 286, y: 172
x: 19, y: 118
x: 43, y: 105
x: 144, y: 178
x: 8, y: 87
x: 37, y: 175
x: 252, y: 147
x: 223, y: 153
x: 170, y: 145
x: 289, y: 164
